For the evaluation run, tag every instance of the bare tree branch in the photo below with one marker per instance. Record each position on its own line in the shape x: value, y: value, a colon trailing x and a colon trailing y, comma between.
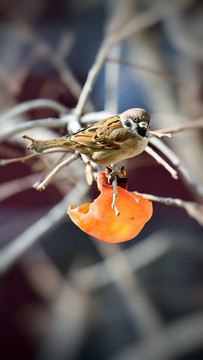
x: 195, y: 124
x: 173, y: 341
x: 44, y: 123
x: 142, y: 311
x: 168, y: 77
x: 188, y: 177
x: 42, y: 185
x: 138, y: 256
x: 4, y: 162
x: 32, y: 105
x: 149, y: 17
x: 161, y: 161
x: 195, y: 210
x: 22, y: 243
x: 16, y: 186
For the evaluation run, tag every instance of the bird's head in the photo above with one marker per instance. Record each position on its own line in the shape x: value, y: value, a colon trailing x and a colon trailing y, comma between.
x: 136, y: 121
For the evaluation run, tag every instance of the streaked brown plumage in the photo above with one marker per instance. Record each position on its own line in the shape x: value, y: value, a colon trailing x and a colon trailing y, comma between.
x: 108, y: 141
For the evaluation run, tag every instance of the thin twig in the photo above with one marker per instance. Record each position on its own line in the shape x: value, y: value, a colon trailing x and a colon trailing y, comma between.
x: 4, y: 162
x: 159, y: 134
x: 65, y: 73
x: 112, y: 83
x: 22, y: 243
x: 145, y: 317
x: 166, y: 200
x: 16, y: 186
x: 164, y: 75
x: 195, y: 210
x: 32, y: 105
x: 92, y: 76
x: 139, y: 255
x: 44, y: 123
x: 180, y: 337
x: 196, y: 124
x: 149, y: 17
x: 161, y: 161
x: 55, y: 58
x: 115, y: 194
x: 180, y: 33
x: 182, y: 169
x: 58, y: 123
x: 55, y: 170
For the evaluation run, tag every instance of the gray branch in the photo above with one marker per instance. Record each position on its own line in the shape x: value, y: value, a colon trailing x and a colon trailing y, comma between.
x: 22, y: 243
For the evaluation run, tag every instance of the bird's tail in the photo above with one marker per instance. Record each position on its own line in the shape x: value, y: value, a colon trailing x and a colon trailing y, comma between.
x: 40, y: 146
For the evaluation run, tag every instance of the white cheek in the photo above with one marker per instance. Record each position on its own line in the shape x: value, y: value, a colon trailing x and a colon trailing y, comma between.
x: 134, y: 128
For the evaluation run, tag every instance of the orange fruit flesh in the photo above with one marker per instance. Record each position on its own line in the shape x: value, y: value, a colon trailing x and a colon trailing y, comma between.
x: 99, y: 220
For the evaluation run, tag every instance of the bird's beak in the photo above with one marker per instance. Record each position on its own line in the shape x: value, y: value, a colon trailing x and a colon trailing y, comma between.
x: 144, y: 124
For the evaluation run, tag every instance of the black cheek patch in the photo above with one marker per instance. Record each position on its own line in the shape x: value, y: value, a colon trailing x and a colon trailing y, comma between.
x: 128, y: 123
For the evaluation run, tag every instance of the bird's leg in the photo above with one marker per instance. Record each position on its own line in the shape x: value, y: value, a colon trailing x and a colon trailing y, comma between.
x: 122, y: 180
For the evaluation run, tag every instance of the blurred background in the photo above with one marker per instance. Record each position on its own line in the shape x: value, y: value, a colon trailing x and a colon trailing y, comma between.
x: 71, y: 296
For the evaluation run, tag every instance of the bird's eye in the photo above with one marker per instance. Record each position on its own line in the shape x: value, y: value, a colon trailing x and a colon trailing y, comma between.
x: 128, y: 123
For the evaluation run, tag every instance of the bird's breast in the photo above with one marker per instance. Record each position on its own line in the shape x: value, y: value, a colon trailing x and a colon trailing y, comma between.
x: 128, y: 149
x: 134, y: 146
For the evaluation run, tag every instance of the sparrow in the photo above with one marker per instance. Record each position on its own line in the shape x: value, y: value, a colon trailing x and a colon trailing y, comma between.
x: 107, y: 141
